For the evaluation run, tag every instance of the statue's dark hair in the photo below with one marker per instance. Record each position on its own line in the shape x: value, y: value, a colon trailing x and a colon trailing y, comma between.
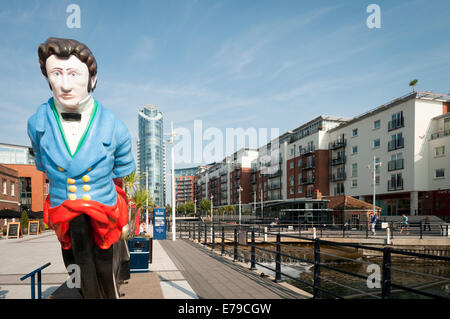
x: 64, y: 48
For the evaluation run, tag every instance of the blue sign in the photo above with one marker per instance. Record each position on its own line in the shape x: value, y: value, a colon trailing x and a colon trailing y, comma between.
x: 159, y: 223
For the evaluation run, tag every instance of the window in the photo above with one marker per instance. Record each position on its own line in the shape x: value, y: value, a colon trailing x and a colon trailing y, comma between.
x: 291, y: 180
x: 355, y: 170
x: 4, y: 187
x: 300, y: 190
x: 291, y: 191
x: 377, y: 180
x: 439, y: 151
x: 355, y: 150
x: 299, y: 178
x: 439, y: 173
x: 299, y: 163
x: 377, y: 165
x: 376, y: 124
x: 355, y: 132
x: 376, y: 143
x: 354, y: 183
x: 291, y: 165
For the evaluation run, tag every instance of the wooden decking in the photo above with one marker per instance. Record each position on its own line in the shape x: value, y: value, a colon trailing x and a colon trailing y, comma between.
x: 214, y: 277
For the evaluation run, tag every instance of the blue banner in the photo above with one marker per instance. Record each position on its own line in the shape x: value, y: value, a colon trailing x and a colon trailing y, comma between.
x: 159, y: 223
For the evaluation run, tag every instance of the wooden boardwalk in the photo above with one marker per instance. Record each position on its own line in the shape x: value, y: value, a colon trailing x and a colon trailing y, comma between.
x: 215, y: 277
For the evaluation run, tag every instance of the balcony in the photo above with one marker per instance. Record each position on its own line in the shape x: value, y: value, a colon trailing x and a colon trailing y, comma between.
x: 338, y: 177
x: 276, y: 174
x: 398, y: 123
x: 223, y: 187
x: 308, y: 165
x: 395, y: 184
x: 396, y: 164
x: 338, y: 160
x: 307, y: 150
x: 307, y: 180
x: 396, y: 144
x: 337, y: 144
x: 440, y: 134
x: 253, y: 179
x: 272, y: 186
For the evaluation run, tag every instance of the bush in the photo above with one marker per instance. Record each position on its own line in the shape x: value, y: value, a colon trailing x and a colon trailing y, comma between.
x: 24, y: 221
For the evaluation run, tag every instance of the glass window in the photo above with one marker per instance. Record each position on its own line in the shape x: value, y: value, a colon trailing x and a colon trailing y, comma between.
x: 354, y: 183
x: 376, y: 124
x: 291, y: 165
x: 439, y: 173
x: 439, y: 151
x: 355, y: 150
x: 355, y: 132
x: 376, y: 143
x: 300, y: 189
x: 354, y: 170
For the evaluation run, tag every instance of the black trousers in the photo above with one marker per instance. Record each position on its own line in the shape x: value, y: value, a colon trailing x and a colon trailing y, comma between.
x: 101, y: 270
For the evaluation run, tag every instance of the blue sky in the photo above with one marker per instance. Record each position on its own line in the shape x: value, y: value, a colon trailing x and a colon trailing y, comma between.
x: 231, y: 64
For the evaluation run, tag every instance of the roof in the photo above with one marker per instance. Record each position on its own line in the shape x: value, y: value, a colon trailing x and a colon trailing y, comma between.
x: 345, y: 202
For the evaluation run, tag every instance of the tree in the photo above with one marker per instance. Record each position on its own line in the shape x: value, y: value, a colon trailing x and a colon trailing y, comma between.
x: 181, y: 208
x: 205, y: 205
x: 190, y: 207
x: 413, y: 84
x: 140, y: 201
x: 130, y: 182
x: 168, y: 209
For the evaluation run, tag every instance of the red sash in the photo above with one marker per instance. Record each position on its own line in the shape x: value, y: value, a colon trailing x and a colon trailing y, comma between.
x: 106, y: 221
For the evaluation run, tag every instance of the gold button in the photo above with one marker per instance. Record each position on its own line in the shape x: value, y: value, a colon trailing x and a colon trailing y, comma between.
x: 72, y: 196
x: 60, y: 169
x: 86, y: 178
x: 87, y: 197
x: 86, y: 188
x: 71, y: 181
x: 72, y: 189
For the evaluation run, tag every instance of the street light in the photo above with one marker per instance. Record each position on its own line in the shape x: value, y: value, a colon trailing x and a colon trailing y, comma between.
x: 172, y: 136
x: 146, y: 188
x: 374, y: 181
x: 212, y: 197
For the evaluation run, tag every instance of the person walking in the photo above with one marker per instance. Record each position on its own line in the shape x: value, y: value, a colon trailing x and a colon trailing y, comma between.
x: 404, y: 224
x: 373, y: 222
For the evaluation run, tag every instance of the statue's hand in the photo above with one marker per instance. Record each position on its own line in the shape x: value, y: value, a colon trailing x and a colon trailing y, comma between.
x: 125, y: 231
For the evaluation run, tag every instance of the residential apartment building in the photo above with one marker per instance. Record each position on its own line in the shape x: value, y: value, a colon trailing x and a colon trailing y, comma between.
x: 184, y: 184
x: 9, y: 199
x: 407, y: 138
x: 151, y: 153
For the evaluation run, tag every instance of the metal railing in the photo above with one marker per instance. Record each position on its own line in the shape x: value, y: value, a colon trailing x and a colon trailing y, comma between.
x: 233, y: 240
x: 33, y: 282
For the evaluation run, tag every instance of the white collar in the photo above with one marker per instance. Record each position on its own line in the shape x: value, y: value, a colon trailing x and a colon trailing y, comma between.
x: 84, y: 107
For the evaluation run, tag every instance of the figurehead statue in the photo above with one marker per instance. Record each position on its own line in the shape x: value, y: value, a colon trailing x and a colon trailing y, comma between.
x: 84, y: 149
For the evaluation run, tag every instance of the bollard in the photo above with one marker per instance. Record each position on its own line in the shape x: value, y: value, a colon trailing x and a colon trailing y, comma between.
x: 314, y: 233
x: 265, y: 234
x: 388, y: 236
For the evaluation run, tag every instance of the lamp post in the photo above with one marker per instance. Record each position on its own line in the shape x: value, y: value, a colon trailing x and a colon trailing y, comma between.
x: 172, y: 136
x: 374, y: 166
x: 146, y: 188
x: 195, y: 207
x: 212, y: 197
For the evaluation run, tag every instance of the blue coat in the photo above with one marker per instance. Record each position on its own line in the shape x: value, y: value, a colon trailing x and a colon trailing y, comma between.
x: 105, y: 154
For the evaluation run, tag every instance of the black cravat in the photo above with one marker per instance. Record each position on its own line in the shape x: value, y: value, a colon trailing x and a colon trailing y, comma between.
x: 71, y: 116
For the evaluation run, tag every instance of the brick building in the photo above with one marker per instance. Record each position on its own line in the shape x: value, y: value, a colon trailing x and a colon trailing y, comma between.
x: 9, y: 198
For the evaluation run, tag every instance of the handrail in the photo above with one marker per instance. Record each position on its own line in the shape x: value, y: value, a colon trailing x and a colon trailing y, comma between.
x: 32, y: 284
x: 277, y: 254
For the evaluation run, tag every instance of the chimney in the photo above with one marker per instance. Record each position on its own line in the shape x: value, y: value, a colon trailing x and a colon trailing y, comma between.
x: 445, y: 107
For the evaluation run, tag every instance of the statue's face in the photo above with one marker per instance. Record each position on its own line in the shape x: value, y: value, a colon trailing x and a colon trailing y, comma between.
x: 69, y: 78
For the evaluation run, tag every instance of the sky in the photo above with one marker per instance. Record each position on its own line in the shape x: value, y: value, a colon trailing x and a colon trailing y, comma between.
x: 230, y: 64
